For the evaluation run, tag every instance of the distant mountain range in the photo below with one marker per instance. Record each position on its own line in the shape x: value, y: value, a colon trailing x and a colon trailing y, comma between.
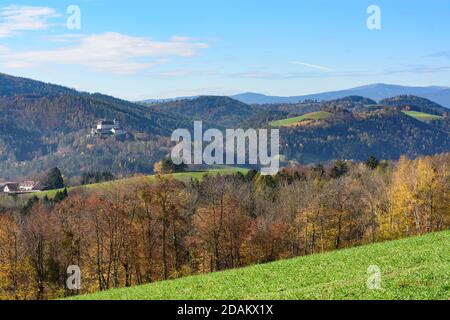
x: 376, y: 92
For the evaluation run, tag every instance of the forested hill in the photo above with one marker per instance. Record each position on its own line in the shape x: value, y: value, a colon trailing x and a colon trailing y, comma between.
x: 415, y: 103
x: 66, y: 113
x: 13, y: 86
x: 44, y: 125
x: 221, y: 111
x: 45, y: 108
x: 385, y: 134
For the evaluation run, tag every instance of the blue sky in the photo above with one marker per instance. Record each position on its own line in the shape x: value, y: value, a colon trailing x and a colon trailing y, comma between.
x: 164, y: 48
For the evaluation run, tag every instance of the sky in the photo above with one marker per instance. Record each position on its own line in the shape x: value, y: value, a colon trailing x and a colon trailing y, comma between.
x: 143, y: 49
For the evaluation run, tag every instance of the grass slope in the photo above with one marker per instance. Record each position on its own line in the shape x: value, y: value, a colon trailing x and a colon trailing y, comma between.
x: 414, y: 268
x: 421, y: 116
x: 9, y: 201
x: 320, y: 115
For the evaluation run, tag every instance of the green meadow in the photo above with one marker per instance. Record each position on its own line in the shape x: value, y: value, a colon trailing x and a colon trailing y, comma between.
x: 421, y: 116
x: 413, y: 268
x: 320, y: 115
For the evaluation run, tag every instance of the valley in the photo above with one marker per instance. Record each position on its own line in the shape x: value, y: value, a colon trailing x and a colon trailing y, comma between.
x: 215, y: 157
x: 354, y: 173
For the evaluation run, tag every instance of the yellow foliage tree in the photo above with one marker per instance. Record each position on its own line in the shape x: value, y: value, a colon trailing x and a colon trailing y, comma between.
x: 402, y: 202
x: 16, y: 273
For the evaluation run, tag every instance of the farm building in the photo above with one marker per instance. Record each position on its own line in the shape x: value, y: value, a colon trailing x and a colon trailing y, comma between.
x: 11, y: 188
x: 28, y: 186
x: 22, y: 187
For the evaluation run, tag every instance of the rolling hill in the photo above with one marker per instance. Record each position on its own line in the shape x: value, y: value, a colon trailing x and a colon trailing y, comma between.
x: 414, y: 103
x: 414, y: 268
x: 220, y: 111
x: 385, y: 134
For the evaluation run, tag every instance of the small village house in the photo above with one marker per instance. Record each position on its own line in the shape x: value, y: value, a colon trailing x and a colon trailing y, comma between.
x: 22, y: 187
x: 28, y: 186
x: 11, y: 188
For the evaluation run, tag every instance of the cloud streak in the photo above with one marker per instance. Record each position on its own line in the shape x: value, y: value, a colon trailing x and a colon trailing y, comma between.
x: 110, y: 52
x: 441, y: 54
x: 313, y: 66
x: 15, y: 19
x: 408, y: 69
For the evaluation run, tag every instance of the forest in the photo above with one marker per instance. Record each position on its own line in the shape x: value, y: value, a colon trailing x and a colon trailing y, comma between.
x: 141, y: 233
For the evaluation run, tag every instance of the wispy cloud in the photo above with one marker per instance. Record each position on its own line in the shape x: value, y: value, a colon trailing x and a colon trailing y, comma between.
x: 416, y: 69
x: 15, y: 19
x: 441, y: 54
x: 110, y: 52
x: 313, y: 66
x: 403, y: 69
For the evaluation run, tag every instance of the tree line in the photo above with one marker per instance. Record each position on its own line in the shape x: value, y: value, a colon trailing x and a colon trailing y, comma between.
x: 133, y: 234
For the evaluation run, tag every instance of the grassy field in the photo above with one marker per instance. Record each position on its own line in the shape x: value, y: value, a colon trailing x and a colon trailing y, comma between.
x: 421, y: 116
x: 320, y: 115
x: 9, y: 202
x: 414, y: 268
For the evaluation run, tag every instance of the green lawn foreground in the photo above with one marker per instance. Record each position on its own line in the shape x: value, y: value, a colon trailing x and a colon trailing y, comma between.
x: 414, y: 268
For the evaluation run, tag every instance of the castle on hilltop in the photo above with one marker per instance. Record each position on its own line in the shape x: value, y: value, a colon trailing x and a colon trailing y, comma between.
x: 108, y: 128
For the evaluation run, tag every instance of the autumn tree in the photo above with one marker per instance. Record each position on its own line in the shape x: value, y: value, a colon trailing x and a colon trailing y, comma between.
x: 16, y: 272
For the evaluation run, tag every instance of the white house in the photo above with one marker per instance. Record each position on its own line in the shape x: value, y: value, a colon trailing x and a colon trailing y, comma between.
x: 27, y: 186
x: 23, y: 187
x: 11, y: 188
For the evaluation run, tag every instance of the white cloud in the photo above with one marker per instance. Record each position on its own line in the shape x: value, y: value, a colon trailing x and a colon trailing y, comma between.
x: 313, y: 66
x: 14, y: 19
x: 110, y: 52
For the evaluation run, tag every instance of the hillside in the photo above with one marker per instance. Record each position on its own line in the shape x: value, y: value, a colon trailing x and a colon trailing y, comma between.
x: 44, y: 125
x: 50, y: 109
x: 6, y: 201
x: 11, y: 86
x: 414, y: 103
x: 414, y: 268
x: 385, y: 134
x: 220, y: 111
